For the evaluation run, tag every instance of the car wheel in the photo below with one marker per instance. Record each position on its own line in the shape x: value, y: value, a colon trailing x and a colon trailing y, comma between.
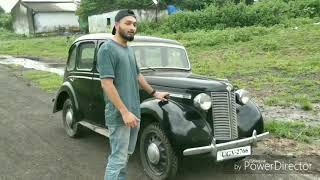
x: 72, y: 128
x: 157, y: 156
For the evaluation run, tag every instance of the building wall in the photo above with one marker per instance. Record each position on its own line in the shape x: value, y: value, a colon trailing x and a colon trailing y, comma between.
x: 21, y: 20
x: 99, y: 23
x: 52, y: 21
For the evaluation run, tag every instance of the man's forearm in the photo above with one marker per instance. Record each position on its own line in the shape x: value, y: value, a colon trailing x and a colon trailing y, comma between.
x: 144, y: 84
x: 112, y: 93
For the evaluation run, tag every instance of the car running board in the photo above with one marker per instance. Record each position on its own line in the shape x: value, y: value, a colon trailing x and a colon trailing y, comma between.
x: 100, y: 130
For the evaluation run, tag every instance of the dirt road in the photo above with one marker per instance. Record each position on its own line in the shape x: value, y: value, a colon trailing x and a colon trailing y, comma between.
x: 33, y: 144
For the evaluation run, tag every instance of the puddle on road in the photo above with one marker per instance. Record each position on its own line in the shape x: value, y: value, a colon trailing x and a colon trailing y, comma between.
x: 31, y: 64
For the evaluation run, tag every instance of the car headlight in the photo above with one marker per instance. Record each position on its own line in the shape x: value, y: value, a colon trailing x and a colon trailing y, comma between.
x: 202, y: 101
x: 242, y: 96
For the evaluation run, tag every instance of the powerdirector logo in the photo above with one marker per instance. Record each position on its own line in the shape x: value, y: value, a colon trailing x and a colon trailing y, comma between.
x: 277, y: 165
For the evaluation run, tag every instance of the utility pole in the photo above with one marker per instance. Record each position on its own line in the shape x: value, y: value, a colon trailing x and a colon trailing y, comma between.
x: 156, y: 2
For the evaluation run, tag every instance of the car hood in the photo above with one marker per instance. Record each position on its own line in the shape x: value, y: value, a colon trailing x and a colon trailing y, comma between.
x: 186, y: 80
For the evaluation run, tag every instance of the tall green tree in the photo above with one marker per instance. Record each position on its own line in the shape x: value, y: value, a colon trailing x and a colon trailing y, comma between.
x: 92, y: 7
x: 5, y: 20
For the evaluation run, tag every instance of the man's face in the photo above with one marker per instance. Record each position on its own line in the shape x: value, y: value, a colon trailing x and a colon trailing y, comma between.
x: 127, y: 27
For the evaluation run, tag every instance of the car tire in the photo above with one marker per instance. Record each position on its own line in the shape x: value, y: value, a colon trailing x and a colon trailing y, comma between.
x: 72, y: 128
x: 159, y: 160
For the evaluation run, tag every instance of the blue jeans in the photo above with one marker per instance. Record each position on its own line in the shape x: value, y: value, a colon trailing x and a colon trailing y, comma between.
x: 123, y: 142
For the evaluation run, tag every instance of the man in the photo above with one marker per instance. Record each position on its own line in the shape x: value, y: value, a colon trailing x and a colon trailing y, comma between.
x: 120, y: 80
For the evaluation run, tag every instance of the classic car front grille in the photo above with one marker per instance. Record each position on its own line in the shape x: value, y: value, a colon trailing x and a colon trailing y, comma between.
x: 225, y: 126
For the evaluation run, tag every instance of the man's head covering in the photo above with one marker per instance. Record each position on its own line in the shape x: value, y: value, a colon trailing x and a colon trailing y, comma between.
x: 121, y: 14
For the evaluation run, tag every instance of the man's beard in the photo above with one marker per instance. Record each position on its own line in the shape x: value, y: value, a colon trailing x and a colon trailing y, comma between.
x: 125, y: 35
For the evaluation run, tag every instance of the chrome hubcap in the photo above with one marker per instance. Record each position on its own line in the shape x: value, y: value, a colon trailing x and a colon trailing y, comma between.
x: 69, y: 118
x: 153, y: 153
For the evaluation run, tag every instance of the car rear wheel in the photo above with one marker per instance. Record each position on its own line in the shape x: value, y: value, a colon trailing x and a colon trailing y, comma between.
x: 159, y: 160
x: 72, y: 128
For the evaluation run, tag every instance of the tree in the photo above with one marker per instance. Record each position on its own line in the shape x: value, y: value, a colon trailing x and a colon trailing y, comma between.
x: 92, y: 7
x: 1, y: 11
x: 5, y: 20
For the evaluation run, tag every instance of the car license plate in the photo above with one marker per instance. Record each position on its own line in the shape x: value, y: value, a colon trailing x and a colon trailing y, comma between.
x: 233, y: 153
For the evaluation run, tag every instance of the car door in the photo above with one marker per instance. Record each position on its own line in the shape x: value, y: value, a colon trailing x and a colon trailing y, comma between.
x: 82, y: 77
x: 98, y: 97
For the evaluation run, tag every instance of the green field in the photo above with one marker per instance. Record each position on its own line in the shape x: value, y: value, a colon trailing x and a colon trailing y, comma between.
x: 280, y: 65
x: 51, y: 47
x: 296, y: 130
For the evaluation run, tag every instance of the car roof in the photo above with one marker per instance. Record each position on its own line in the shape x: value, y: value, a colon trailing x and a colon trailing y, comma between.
x: 137, y: 38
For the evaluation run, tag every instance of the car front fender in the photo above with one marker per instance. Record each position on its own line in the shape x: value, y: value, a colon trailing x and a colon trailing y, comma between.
x: 249, y: 119
x: 184, y: 125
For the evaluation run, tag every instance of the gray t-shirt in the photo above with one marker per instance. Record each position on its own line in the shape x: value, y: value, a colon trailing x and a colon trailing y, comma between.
x: 118, y: 62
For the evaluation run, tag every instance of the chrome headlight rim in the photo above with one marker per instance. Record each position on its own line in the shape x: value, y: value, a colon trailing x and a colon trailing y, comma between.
x: 242, y: 96
x: 202, y: 101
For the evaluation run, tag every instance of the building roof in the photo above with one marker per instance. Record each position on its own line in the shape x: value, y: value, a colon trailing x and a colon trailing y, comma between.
x: 137, y: 38
x: 50, y: 6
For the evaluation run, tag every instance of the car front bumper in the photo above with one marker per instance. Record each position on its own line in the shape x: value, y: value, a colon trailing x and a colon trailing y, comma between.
x: 213, y: 148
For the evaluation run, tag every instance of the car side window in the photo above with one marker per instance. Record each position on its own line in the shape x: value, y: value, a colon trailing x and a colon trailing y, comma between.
x: 72, y: 59
x: 86, y: 55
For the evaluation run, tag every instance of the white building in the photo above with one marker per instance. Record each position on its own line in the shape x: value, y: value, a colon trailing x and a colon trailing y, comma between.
x: 105, y: 22
x: 43, y: 16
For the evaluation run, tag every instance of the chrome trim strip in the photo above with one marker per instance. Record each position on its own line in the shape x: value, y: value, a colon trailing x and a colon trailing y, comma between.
x: 100, y: 130
x: 180, y: 95
x: 80, y: 77
x: 78, y: 72
x: 213, y: 147
x: 84, y: 69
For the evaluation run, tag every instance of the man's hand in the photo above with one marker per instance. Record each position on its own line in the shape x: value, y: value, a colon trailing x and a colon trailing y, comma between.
x: 163, y: 96
x: 130, y: 120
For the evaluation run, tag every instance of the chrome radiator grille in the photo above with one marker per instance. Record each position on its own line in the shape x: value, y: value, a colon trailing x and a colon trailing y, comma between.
x: 225, y: 126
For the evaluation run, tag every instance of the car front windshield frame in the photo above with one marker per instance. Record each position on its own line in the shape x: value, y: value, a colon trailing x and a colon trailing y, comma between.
x: 158, y: 56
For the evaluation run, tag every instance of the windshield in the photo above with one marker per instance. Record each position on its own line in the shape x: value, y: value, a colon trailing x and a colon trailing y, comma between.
x: 161, y: 57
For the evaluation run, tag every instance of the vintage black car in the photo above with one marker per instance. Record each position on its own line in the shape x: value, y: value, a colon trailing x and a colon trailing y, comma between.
x: 203, y: 115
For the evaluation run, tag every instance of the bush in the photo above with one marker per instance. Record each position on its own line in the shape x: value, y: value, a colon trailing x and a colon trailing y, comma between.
x: 264, y: 13
x: 5, y: 21
x: 202, y: 38
x: 305, y: 8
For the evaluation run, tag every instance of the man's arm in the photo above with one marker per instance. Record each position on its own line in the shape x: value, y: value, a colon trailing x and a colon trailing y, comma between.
x: 110, y: 90
x: 163, y: 96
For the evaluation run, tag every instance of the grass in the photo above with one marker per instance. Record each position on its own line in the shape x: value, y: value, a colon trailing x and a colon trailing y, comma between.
x: 297, y: 130
x: 52, y: 47
x: 279, y: 65
x: 49, y: 82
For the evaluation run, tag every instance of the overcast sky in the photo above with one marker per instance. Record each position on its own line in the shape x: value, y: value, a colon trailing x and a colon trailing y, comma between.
x: 6, y: 5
